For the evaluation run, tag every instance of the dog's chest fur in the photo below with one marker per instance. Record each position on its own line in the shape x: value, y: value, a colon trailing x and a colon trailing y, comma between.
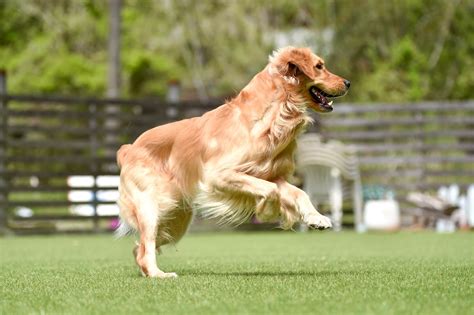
x: 272, y: 156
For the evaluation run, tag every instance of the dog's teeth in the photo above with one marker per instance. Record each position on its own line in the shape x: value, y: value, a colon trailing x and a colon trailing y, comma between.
x: 330, y: 103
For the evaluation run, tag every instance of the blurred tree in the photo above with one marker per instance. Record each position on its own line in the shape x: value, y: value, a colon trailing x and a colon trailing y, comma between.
x: 391, y: 50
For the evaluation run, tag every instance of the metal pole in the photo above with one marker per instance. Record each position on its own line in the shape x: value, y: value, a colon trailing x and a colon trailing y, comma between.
x: 3, y: 153
x: 112, y: 123
x: 113, y: 89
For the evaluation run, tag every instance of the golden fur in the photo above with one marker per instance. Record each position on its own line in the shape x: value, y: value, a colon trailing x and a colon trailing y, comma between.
x: 231, y: 162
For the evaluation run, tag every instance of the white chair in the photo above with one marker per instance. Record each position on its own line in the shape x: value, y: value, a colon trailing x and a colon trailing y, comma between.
x: 325, y: 167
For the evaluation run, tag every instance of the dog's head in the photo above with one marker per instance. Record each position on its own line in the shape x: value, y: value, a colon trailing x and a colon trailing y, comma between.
x: 308, y: 73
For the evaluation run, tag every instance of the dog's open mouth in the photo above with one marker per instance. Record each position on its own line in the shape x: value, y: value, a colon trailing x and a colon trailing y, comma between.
x: 321, y: 98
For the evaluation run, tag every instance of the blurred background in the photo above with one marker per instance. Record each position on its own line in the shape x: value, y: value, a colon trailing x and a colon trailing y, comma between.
x: 80, y: 78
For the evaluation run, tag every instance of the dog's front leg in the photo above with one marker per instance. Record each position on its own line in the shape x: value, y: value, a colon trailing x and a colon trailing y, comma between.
x: 266, y: 194
x: 296, y: 200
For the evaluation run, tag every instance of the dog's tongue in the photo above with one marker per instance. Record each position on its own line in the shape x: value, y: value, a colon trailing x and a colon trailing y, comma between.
x: 321, y: 99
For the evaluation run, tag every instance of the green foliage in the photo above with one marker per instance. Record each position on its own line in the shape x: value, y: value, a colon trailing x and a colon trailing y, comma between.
x: 406, y: 50
x: 391, y: 50
x: 73, y: 75
x: 52, y: 48
x: 149, y: 74
x: 398, y: 78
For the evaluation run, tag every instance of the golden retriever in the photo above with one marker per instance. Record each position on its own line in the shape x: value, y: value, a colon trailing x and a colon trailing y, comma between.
x: 232, y: 162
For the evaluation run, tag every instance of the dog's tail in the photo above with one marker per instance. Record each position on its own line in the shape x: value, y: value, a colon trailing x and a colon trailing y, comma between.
x: 123, y: 229
x: 122, y: 154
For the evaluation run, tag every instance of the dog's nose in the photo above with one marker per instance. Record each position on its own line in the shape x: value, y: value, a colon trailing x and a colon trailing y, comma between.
x: 347, y: 83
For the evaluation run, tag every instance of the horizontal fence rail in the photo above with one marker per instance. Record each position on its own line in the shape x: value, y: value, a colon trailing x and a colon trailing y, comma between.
x: 48, y: 142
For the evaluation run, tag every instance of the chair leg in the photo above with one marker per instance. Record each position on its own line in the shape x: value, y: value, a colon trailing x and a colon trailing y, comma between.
x: 335, y: 199
x: 358, y: 206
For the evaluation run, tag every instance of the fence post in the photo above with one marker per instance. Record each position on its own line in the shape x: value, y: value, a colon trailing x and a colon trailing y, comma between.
x: 3, y: 153
x: 94, y: 168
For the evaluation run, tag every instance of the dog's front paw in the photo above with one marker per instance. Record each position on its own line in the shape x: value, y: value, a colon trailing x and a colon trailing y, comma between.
x: 317, y: 221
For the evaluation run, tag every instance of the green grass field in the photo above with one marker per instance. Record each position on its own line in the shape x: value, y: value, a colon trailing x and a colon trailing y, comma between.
x: 276, y: 272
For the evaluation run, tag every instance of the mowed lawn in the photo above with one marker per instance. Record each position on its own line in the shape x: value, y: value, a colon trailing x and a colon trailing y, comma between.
x: 244, y: 273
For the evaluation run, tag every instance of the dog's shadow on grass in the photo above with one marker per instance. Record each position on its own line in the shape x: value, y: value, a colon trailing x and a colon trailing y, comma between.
x: 262, y: 273
x: 258, y: 274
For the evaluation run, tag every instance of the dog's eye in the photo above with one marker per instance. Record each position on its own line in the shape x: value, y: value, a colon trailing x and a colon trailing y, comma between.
x: 319, y: 66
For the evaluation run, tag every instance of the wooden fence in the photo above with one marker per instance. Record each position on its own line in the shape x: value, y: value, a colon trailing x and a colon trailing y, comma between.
x: 48, y: 141
x: 44, y: 141
x: 412, y: 146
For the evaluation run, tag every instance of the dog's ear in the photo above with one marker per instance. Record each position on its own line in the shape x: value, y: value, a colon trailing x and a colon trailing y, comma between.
x: 294, y: 61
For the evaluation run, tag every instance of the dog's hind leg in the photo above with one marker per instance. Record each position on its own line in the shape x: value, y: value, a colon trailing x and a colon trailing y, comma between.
x: 173, y: 227
x: 148, y: 217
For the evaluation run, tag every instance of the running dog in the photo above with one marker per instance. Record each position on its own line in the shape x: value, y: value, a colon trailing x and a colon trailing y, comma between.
x: 230, y: 163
